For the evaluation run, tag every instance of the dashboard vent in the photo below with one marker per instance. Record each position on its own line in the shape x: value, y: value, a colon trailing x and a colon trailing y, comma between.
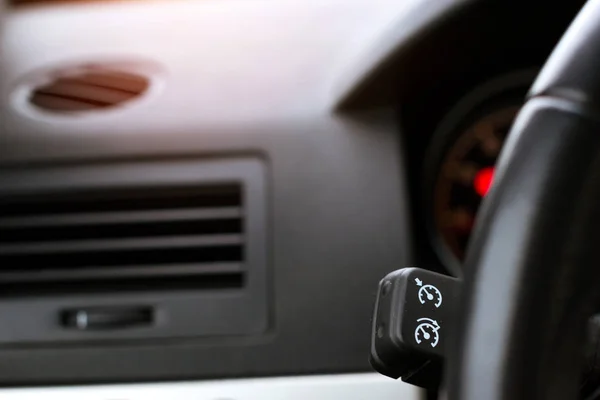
x: 184, y: 240
x: 122, y: 239
x: 88, y: 88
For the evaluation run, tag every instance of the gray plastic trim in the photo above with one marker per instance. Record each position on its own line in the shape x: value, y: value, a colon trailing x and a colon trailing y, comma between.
x: 318, y: 387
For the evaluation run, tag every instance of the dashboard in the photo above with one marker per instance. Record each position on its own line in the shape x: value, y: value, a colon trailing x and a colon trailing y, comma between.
x: 195, y: 193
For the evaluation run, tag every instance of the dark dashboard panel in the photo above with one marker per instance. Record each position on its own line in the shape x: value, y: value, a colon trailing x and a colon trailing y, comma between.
x: 455, y: 45
x: 336, y: 221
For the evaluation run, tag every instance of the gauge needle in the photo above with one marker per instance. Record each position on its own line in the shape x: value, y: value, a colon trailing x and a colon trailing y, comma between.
x: 426, y: 334
x: 429, y: 295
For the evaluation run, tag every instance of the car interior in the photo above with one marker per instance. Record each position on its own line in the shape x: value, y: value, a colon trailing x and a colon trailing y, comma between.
x: 299, y: 199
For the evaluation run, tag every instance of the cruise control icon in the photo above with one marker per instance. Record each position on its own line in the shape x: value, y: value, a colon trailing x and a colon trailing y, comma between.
x: 427, y: 331
x: 429, y: 293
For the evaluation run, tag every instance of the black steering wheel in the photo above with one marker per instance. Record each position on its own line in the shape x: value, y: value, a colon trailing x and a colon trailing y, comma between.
x: 533, y: 269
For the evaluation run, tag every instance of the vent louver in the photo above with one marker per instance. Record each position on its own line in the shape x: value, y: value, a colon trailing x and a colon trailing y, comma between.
x: 88, y: 88
x: 122, y: 239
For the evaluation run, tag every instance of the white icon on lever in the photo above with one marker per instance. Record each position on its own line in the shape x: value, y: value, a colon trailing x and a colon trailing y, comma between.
x: 429, y: 293
x: 427, y: 330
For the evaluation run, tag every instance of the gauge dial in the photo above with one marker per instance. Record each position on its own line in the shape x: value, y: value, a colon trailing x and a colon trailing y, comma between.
x: 465, y: 176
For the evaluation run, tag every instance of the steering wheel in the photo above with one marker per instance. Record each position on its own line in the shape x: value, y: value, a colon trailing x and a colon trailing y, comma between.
x: 533, y: 268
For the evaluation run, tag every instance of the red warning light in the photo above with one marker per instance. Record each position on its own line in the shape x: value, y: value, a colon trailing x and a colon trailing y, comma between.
x: 483, y: 180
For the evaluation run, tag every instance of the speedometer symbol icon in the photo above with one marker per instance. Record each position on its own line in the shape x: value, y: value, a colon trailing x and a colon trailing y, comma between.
x: 430, y: 293
x: 427, y: 331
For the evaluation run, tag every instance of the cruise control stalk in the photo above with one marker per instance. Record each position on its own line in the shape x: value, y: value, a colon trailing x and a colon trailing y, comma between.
x: 414, y: 312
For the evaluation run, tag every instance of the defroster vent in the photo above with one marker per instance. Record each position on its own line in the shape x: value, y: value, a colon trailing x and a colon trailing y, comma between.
x: 88, y: 88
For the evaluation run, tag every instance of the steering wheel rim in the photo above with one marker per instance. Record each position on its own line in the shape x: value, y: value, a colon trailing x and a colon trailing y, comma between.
x: 532, y: 268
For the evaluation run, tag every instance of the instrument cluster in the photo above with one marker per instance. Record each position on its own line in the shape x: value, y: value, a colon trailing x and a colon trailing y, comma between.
x: 460, y: 162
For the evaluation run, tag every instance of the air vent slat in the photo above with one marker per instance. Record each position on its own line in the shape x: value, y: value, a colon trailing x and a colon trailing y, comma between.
x: 122, y: 82
x: 106, y: 218
x: 120, y: 231
x: 87, y: 88
x: 123, y: 234
x: 49, y: 102
x: 85, y: 92
x: 124, y: 273
x: 120, y: 244
x: 118, y: 199
x: 117, y: 259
